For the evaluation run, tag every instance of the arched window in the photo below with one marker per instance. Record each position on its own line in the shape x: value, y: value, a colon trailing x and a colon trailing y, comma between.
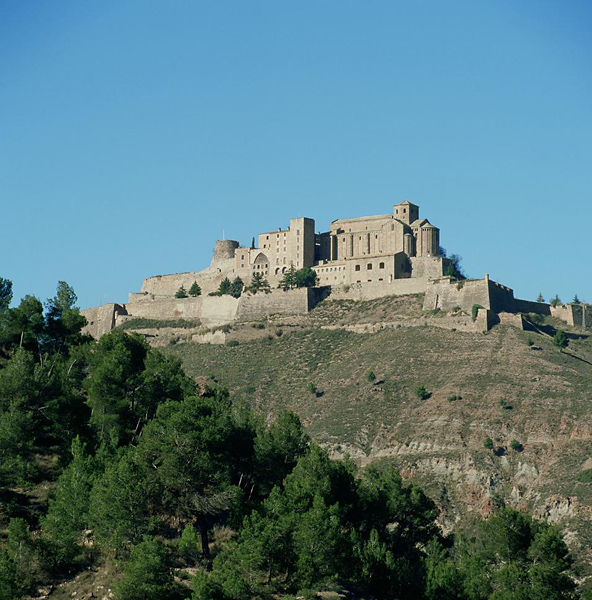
x: 381, y: 266
x: 369, y: 266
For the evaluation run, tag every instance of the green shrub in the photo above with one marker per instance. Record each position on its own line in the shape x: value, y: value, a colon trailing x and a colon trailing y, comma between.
x: 585, y: 476
x: 422, y: 393
x: 312, y: 388
x: 454, y: 398
x: 560, y: 339
x: 258, y: 326
x: 142, y: 323
x: 233, y: 343
x: 188, y: 544
x: 475, y: 311
x: 516, y: 445
x: 529, y: 341
x: 371, y: 377
x: 488, y: 443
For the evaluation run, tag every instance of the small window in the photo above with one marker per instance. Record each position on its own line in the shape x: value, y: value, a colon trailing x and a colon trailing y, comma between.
x: 404, y: 210
x: 357, y: 267
x: 242, y: 266
x: 381, y: 266
x: 298, y: 232
x: 369, y: 266
x: 242, y: 257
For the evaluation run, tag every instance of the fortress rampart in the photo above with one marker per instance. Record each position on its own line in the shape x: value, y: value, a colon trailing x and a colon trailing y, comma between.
x: 359, y: 258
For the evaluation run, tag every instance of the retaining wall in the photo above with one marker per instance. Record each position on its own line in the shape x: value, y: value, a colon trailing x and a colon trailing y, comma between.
x: 379, y: 289
x: 101, y: 320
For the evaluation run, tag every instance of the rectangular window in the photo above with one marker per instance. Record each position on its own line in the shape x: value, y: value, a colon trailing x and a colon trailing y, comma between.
x: 357, y: 267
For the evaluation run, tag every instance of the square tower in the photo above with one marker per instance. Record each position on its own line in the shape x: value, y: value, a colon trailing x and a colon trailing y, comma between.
x: 406, y: 211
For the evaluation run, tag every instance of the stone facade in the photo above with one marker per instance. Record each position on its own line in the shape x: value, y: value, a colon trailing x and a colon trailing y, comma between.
x: 380, y: 248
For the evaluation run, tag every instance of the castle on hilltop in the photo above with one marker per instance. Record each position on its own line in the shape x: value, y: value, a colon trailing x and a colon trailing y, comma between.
x: 360, y: 258
x: 398, y: 245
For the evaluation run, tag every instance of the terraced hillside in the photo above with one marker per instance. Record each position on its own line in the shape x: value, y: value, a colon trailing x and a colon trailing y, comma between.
x: 514, y: 387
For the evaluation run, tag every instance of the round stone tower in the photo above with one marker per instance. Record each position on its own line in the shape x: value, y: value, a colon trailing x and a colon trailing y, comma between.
x: 225, y: 249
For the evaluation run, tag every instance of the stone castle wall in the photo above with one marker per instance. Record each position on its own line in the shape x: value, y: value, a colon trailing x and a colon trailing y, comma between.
x: 379, y: 289
x: 211, y: 311
x: 446, y: 294
x: 102, y: 320
x: 253, y: 307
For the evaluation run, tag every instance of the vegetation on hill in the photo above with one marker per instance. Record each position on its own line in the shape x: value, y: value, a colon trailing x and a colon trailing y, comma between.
x: 112, y: 457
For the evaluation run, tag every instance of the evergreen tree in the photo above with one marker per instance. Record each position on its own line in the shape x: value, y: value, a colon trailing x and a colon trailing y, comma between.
x: 5, y: 294
x: 306, y: 277
x: 19, y: 397
x: 540, y: 298
x: 253, y: 244
x: 195, y: 289
x: 185, y: 450
x: 560, y: 339
x: 147, y: 575
x: 289, y: 280
x: 555, y: 301
x: 517, y: 557
x: 236, y: 287
x: 575, y: 300
x: 67, y: 515
x: 63, y: 320
x: 22, y: 552
x: 181, y: 293
x: 9, y: 578
x: 118, y: 505
x: 258, y: 283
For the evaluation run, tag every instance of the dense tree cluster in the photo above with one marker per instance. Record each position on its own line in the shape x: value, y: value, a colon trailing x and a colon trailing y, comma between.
x: 156, y: 475
x: 296, y: 278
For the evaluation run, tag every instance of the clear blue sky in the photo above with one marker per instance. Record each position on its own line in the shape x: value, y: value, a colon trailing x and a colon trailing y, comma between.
x: 132, y: 133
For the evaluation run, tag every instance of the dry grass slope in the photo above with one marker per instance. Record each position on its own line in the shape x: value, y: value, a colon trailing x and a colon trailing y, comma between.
x: 482, y: 385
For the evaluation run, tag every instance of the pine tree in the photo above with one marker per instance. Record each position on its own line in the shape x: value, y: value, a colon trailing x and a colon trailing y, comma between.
x: 195, y: 290
x: 181, y: 293
x: 236, y: 287
x: 540, y: 298
x: 147, y: 575
x: 289, y: 280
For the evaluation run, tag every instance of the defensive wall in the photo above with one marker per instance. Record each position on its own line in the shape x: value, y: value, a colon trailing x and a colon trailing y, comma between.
x: 103, y: 319
x: 446, y: 293
x: 209, y: 311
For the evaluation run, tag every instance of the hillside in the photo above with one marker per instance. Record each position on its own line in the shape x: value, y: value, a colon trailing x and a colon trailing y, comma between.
x: 492, y: 385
